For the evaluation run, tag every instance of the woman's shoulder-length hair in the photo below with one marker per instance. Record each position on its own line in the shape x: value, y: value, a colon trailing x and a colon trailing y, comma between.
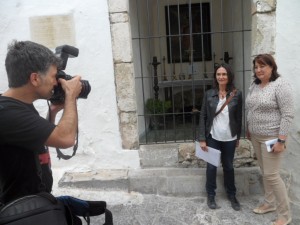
x: 265, y: 59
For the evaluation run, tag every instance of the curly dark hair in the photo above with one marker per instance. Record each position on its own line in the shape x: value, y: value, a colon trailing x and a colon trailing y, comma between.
x: 265, y: 59
x: 230, y: 85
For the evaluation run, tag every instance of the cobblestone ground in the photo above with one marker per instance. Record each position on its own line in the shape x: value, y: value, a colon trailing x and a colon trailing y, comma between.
x: 158, y: 210
x: 140, y: 209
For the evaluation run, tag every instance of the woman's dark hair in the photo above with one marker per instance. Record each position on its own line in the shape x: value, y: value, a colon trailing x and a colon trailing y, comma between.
x: 265, y: 59
x: 230, y: 85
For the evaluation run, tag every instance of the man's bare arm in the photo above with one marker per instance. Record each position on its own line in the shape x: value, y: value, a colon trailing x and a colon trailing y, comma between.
x: 64, y: 134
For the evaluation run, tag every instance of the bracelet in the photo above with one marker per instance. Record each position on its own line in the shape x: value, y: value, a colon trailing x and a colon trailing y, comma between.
x: 281, y: 141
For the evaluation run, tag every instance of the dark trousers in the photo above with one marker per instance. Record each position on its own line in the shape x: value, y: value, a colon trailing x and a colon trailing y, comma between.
x: 227, y: 149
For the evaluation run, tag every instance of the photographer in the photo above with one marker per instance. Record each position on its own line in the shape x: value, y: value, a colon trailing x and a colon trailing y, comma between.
x: 24, y: 135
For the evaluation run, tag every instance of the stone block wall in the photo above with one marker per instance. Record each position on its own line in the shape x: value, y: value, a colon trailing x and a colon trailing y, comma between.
x: 244, y: 155
x: 124, y: 73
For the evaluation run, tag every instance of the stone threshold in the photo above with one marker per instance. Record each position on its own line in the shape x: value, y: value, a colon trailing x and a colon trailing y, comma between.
x: 183, y: 182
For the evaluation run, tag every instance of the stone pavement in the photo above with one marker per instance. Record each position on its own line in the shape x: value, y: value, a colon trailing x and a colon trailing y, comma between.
x: 161, y: 193
x: 144, y: 209
x: 158, y: 210
x: 166, y: 196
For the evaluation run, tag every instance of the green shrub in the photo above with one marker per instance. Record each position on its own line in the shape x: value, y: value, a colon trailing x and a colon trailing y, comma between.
x: 157, y: 106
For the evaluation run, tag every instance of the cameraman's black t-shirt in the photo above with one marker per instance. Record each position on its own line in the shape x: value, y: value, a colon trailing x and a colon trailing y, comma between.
x: 23, y: 134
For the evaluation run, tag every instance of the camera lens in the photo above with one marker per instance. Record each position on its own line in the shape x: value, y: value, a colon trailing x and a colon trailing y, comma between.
x: 86, y: 88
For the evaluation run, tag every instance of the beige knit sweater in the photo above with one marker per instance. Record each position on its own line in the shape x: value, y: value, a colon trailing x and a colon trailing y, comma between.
x: 270, y: 110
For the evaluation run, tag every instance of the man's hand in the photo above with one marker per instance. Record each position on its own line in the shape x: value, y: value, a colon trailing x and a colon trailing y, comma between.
x: 72, y: 88
x: 54, y: 109
x: 64, y: 134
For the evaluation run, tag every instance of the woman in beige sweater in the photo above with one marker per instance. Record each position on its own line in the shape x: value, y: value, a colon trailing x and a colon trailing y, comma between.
x: 270, y: 112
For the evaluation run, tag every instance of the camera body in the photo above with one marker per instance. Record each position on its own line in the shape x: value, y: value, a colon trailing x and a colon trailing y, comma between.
x: 64, y: 52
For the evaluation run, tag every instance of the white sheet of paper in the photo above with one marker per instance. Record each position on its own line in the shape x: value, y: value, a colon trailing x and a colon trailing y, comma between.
x: 269, y: 143
x: 212, y: 156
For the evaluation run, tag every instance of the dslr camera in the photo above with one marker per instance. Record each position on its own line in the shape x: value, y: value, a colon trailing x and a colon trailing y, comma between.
x: 64, y: 52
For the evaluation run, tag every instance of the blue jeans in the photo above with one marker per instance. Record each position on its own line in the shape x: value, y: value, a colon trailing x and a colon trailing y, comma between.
x: 227, y: 149
x: 77, y: 206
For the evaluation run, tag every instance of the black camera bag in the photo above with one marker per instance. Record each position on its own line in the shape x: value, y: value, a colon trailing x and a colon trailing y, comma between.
x: 42, y: 209
x: 39, y: 209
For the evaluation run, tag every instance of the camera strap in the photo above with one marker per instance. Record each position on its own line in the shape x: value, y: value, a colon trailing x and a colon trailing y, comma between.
x: 61, y: 155
x: 232, y: 94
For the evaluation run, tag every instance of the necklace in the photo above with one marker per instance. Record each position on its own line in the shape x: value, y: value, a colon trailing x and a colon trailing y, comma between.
x: 222, y: 94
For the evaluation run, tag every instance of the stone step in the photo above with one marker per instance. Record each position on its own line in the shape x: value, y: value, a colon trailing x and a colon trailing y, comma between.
x: 184, y: 182
x: 159, y: 155
x: 169, y: 169
x: 183, y: 155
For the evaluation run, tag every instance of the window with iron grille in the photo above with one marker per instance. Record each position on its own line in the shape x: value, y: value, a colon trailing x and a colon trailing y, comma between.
x: 176, y: 46
x: 181, y: 47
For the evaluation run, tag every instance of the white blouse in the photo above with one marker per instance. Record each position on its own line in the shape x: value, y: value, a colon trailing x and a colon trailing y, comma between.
x: 220, y: 129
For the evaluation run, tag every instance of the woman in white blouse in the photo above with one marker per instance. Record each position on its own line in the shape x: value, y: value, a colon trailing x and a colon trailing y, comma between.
x: 220, y: 128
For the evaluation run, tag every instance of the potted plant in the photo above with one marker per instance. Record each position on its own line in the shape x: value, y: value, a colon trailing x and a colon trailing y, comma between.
x: 157, y: 108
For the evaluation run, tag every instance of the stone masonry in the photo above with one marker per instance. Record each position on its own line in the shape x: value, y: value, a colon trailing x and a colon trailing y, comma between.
x: 124, y: 74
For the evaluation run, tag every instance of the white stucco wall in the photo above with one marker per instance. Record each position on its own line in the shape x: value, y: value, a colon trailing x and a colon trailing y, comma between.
x: 288, y: 45
x: 99, y: 136
x: 288, y: 58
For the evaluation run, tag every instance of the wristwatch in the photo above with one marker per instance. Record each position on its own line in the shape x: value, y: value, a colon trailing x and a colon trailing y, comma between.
x: 281, y: 141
